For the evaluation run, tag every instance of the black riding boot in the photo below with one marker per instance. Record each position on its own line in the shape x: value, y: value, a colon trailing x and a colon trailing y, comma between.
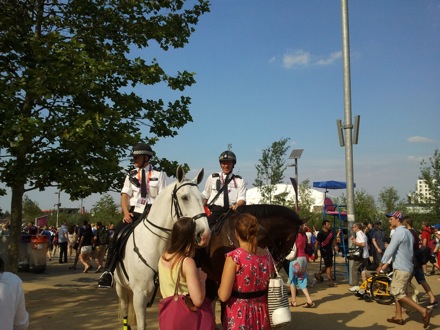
x: 106, y: 279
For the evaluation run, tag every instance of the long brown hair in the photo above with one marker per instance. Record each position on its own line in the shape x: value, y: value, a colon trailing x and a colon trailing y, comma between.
x: 246, y: 226
x: 182, y: 242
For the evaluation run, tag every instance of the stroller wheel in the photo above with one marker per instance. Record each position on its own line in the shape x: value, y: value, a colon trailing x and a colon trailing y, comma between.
x: 368, y: 298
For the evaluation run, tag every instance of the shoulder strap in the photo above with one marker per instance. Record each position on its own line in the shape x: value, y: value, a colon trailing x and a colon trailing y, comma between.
x: 176, y: 288
x: 220, y: 191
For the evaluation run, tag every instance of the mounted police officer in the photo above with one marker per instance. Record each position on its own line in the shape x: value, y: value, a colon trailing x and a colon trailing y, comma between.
x: 224, y: 190
x: 141, y: 186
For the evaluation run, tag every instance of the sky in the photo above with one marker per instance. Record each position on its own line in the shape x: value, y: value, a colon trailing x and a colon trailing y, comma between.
x: 268, y: 70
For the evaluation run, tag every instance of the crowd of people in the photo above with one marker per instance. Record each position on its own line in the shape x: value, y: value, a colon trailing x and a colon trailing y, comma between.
x: 248, y: 268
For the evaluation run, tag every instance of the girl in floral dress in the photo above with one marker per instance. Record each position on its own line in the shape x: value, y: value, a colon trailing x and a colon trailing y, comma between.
x: 245, y: 279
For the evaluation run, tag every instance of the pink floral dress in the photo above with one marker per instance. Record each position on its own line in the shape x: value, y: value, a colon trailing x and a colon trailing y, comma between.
x: 253, y: 275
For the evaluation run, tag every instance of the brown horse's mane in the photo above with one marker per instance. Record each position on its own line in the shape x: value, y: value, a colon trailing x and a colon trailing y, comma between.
x: 264, y: 210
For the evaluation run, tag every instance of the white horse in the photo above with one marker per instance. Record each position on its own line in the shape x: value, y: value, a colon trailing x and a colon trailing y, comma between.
x: 136, y: 274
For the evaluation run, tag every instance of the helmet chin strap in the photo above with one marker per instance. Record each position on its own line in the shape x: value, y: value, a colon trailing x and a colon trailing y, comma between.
x: 143, y: 161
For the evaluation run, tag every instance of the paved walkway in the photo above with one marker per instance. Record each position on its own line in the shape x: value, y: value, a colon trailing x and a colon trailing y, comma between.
x: 64, y: 299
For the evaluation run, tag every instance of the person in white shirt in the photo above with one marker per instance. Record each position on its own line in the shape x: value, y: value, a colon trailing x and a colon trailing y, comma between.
x: 360, y: 264
x: 13, y: 314
x: 224, y: 190
x: 140, y: 189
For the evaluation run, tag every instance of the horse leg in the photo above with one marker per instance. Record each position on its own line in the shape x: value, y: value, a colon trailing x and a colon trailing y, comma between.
x: 124, y: 301
x: 140, y: 299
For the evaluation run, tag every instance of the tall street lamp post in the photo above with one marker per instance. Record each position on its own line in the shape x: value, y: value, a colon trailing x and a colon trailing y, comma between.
x: 58, y: 206
x: 295, y: 154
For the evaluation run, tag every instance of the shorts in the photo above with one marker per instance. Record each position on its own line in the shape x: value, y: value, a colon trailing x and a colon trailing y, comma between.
x: 399, y: 283
x: 297, y: 272
x: 419, y: 275
x: 86, y: 249
x: 327, y: 256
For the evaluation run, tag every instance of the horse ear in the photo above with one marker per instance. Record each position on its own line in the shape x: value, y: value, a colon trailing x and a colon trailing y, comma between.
x: 199, y: 177
x: 180, y: 173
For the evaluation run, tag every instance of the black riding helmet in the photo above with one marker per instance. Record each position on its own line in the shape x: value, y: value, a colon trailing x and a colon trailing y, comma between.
x: 142, y: 149
x: 227, y: 155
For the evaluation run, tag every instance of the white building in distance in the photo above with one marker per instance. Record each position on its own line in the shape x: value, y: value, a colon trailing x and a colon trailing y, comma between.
x: 253, y: 195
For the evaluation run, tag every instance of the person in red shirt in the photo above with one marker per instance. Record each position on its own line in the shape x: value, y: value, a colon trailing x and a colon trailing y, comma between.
x: 426, y: 240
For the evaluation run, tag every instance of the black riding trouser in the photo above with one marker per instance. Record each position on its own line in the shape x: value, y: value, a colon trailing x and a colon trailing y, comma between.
x: 112, y: 257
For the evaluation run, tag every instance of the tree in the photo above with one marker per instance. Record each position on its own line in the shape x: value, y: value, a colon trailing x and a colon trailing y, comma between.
x: 430, y: 173
x: 31, y: 210
x: 389, y: 199
x: 68, y: 105
x: 364, y: 206
x: 270, y: 170
x: 106, y: 210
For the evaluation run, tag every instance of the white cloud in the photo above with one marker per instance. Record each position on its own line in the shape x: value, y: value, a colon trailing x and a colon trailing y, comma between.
x: 330, y: 59
x: 293, y: 59
x: 417, y: 159
x: 298, y: 58
x: 419, y: 139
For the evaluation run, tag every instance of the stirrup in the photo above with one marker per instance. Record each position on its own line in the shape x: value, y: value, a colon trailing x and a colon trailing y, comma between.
x: 103, y: 278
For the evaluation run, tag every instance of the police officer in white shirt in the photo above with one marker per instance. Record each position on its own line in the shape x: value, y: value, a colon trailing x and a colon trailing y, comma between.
x: 224, y: 190
x: 141, y: 187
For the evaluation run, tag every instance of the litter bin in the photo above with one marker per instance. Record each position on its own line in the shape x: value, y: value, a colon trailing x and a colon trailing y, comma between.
x: 24, y: 254
x: 37, y: 262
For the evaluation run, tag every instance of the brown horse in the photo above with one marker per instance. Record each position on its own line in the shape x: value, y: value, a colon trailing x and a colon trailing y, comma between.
x: 279, y: 228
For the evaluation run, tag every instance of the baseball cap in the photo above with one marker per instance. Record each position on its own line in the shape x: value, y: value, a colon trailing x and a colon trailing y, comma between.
x: 396, y: 214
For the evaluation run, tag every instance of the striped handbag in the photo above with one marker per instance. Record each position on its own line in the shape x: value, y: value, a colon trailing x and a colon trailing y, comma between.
x: 278, y: 302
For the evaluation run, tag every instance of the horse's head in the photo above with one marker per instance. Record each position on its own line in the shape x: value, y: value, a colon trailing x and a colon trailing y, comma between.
x: 187, y: 201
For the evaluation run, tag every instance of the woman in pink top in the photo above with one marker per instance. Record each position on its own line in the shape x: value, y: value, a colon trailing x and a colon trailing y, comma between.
x: 298, y: 271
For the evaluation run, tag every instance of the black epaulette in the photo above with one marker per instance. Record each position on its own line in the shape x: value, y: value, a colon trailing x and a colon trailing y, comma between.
x: 237, y: 176
x: 215, y: 175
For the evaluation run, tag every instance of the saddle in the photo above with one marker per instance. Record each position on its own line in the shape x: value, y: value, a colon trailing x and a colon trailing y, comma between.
x: 122, y: 238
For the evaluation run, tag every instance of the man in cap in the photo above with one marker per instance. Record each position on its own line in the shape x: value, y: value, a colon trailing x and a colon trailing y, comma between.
x: 224, y: 190
x: 400, y: 251
x: 141, y: 187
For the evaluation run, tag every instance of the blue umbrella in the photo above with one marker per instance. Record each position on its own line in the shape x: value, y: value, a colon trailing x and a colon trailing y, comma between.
x: 331, y: 184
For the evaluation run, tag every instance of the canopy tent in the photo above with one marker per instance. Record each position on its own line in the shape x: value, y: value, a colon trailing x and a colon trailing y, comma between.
x: 331, y: 184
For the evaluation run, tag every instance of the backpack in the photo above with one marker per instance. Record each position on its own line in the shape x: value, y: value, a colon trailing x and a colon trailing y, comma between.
x: 103, y: 236
x: 423, y: 255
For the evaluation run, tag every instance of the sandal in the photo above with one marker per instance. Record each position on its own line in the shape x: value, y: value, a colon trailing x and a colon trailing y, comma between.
x: 307, y: 305
x: 427, y: 318
x: 396, y: 321
x: 87, y: 269
x: 292, y: 303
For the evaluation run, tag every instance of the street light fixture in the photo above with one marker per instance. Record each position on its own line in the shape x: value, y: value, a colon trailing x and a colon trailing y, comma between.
x: 58, y: 206
x: 295, y: 154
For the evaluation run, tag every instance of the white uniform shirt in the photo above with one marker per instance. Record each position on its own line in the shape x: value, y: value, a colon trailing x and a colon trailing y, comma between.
x: 236, y: 189
x: 13, y: 314
x: 156, y: 182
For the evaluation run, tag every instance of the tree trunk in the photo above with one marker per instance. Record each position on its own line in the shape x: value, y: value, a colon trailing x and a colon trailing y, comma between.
x: 15, y: 230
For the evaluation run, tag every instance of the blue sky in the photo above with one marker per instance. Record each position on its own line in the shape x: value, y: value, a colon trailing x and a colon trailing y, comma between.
x: 268, y: 70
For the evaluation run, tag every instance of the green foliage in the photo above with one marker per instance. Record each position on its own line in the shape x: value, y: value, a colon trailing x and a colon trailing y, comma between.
x: 73, y: 94
x: 31, y: 210
x: 364, y: 206
x: 270, y: 170
x: 106, y: 210
x: 389, y: 199
x: 430, y: 173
